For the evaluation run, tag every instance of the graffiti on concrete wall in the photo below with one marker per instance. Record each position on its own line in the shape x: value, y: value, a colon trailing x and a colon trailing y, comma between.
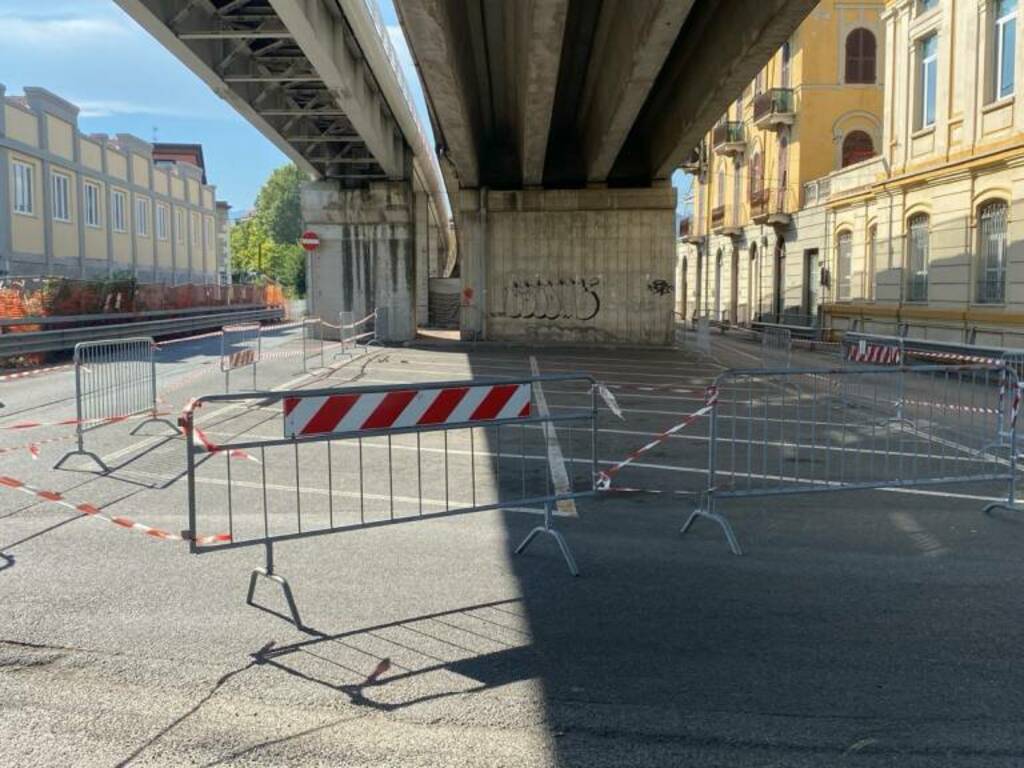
x: 575, y: 298
x: 660, y: 287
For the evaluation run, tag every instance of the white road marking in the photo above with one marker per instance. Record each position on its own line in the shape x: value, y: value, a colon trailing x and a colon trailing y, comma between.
x: 559, y: 474
x: 929, y: 545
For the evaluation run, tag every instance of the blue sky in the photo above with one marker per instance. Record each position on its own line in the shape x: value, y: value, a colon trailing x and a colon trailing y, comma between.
x: 91, y: 53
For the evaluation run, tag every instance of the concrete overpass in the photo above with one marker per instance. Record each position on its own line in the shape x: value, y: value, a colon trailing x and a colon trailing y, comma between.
x: 320, y: 80
x: 559, y: 123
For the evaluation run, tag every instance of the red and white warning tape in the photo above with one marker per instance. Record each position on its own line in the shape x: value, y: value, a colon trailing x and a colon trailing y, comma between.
x: 604, y: 478
x: 33, y: 447
x: 72, y: 422
x: 199, y: 438
x: 92, y: 510
x: 35, y: 372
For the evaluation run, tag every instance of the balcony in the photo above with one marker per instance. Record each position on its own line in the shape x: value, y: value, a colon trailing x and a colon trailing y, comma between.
x: 727, y: 138
x: 693, y: 161
x: 688, y: 231
x: 769, y: 206
x: 722, y: 224
x: 774, y: 108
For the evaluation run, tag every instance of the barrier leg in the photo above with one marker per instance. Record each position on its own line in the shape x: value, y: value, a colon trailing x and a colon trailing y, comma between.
x: 155, y: 419
x: 268, y: 573
x: 710, y: 514
x: 556, y: 535
x: 80, y: 451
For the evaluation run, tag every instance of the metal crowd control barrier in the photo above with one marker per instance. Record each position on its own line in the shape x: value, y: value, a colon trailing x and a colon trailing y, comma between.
x: 863, y: 348
x: 114, y: 380
x: 820, y: 430
x: 240, y: 346
x: 312, y: 341
x: 310, y: 462
x: 356, y: 335
x: 776, y: 346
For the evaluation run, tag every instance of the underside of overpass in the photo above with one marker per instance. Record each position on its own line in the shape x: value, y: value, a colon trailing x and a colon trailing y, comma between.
x: 319, y: 79
x: 559, y: 124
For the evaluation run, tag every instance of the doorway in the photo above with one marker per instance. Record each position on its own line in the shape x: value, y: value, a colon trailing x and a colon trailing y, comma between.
x: 734, y: 286
x: 810, y: 297
x: 779, y: 297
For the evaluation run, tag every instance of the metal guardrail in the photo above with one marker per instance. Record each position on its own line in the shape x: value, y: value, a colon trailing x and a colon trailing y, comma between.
x: 57, y: 340
x: 437, y: 450
x: 155, y: 314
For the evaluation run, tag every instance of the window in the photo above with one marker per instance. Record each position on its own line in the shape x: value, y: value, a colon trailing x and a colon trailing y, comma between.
x: 923, y: 6
x: 118, y: 214
x: 179, y: 226
x: 720, y: 192
x: 756, y: 177
x: 142, y: 217
x: 92, y: 204
x: 195, y: 230
x: 992, y: 246
x: 208, y: 239
x: 24, y: 188
x: 860, y: 56
x: 857, y: 146
x: 928, y: 56
x: 785, y: 64
x: 844, y: 265
x: 161, y: 222
x: 1005, y: 46
x: 917, y: 257
x: 61, y: 184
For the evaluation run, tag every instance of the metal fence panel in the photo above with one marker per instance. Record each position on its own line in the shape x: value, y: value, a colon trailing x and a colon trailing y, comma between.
x: 240, y: 347
x: 114, y: 380
x: 806, y: 430
x: 776, y: 346
x: 312, y: 341
x: 310, y: 462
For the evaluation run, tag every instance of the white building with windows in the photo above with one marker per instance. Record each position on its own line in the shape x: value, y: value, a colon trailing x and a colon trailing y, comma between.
x: 928, y: 239
x: 86, y: 206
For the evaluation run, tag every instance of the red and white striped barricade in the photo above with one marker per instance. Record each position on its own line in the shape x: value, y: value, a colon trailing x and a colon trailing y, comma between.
x: 240, y: 347
x: 310, y: 462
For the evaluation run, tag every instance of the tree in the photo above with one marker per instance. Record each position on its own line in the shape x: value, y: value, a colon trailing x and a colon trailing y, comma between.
x: 278, y: 206
x: 267, y: 241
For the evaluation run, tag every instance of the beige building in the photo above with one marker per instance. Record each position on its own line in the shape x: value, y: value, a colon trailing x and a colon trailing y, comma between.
x: 929, y: 238
x: 79, y: 205
x: 752, y: 250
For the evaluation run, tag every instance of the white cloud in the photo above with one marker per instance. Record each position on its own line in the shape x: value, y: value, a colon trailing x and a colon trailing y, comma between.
x: 27, y: 31
x: 110, y: 108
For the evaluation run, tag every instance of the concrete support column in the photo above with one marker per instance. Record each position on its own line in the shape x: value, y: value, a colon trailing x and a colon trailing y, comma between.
x: 589, y: 266
x: 366, y: 260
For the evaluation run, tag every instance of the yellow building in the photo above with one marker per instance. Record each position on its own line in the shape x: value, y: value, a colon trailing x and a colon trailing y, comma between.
x: 77, y: 205
x: 928, y: 240
x: 749, y: 251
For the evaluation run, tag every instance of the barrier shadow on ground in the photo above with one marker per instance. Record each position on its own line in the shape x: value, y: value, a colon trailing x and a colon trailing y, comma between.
x: 424, y: 658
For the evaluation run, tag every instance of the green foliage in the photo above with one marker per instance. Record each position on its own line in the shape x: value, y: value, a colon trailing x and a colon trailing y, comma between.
x: 267, y: 242
x: 277, y: 205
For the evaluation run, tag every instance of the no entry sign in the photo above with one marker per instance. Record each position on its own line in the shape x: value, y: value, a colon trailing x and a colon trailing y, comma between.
x: 310, y: 240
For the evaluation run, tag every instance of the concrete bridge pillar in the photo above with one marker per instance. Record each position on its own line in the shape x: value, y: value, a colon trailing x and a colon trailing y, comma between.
x: 568, y: 266
x: 366, y: 260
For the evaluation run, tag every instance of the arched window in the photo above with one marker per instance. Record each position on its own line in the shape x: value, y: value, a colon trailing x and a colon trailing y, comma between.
x: 844, y: 264
x: 857, y: 146
x: 860, y: 56
x: 917, y: 257
x: 992, y: 247
x: 756, y: 177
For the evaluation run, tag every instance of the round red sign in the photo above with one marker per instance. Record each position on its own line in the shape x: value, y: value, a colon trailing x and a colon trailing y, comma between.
x: 310, y: 240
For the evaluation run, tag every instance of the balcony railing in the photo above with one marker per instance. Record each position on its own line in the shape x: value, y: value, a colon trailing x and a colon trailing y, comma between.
x: 692, y: 162
x: 685, y: 227
x: 769, y: 202
x: 991, y: 290
x: 718, y: 217
x: 728, y: 137
x: 774, y: 107
x: 917, y: 287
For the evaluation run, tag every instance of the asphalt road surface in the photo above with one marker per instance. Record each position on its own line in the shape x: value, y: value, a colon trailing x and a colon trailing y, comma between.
x: 867, y: 628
